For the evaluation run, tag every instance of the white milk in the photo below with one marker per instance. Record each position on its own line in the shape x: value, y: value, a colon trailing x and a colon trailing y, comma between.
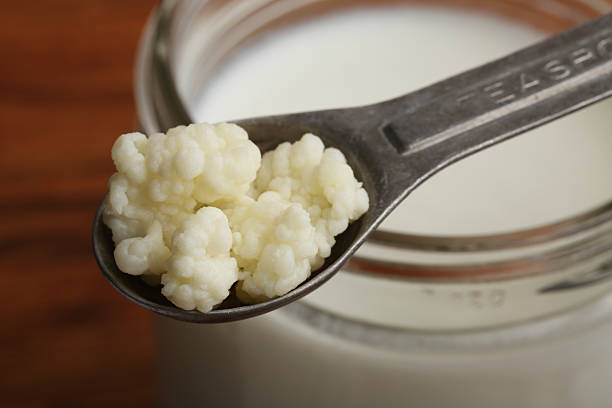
x: 362, y: 57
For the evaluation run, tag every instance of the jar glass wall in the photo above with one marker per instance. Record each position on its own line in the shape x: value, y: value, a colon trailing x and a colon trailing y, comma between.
x: 517, y: 316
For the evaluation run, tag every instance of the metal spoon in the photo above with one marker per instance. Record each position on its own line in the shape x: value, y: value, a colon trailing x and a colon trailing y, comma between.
x: 396, y: 145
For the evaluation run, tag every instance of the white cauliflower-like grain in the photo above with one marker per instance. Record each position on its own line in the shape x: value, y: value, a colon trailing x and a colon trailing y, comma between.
x: 140, y: 194
x: 143, y: 255
x: 167, y: 177
x: 200, y: 270
x: 274, y: 244
x: 230, y: 161
x: 169, y: 203
x: 318, y: 179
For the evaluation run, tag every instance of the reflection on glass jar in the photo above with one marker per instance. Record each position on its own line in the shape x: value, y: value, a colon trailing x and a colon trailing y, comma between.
x: 487, y: 287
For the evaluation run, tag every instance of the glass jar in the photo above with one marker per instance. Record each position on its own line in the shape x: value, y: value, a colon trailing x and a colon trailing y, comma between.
x: 521, y: 318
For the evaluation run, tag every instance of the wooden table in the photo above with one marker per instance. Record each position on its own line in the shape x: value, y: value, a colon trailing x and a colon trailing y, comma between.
x: 67, y: 338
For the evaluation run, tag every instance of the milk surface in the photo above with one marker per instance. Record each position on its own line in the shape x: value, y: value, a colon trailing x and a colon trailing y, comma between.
x: 370, y: 55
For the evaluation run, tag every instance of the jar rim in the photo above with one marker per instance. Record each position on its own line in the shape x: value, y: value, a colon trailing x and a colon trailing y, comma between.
x: 507, y: 240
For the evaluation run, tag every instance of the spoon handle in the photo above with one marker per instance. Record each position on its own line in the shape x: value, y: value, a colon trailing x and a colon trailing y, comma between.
x: 499, y: 100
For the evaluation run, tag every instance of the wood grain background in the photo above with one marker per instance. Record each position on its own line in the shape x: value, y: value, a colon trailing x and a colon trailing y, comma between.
x: 67, y: 339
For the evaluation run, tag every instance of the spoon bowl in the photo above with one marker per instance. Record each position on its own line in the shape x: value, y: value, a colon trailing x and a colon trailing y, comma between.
x: 395, y: 145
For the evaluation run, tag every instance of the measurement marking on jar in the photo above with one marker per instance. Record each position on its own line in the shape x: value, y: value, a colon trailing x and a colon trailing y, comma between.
x: 474, y: 299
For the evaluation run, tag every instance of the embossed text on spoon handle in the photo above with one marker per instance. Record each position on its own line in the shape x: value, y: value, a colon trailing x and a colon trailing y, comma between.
x: 508, y: 96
